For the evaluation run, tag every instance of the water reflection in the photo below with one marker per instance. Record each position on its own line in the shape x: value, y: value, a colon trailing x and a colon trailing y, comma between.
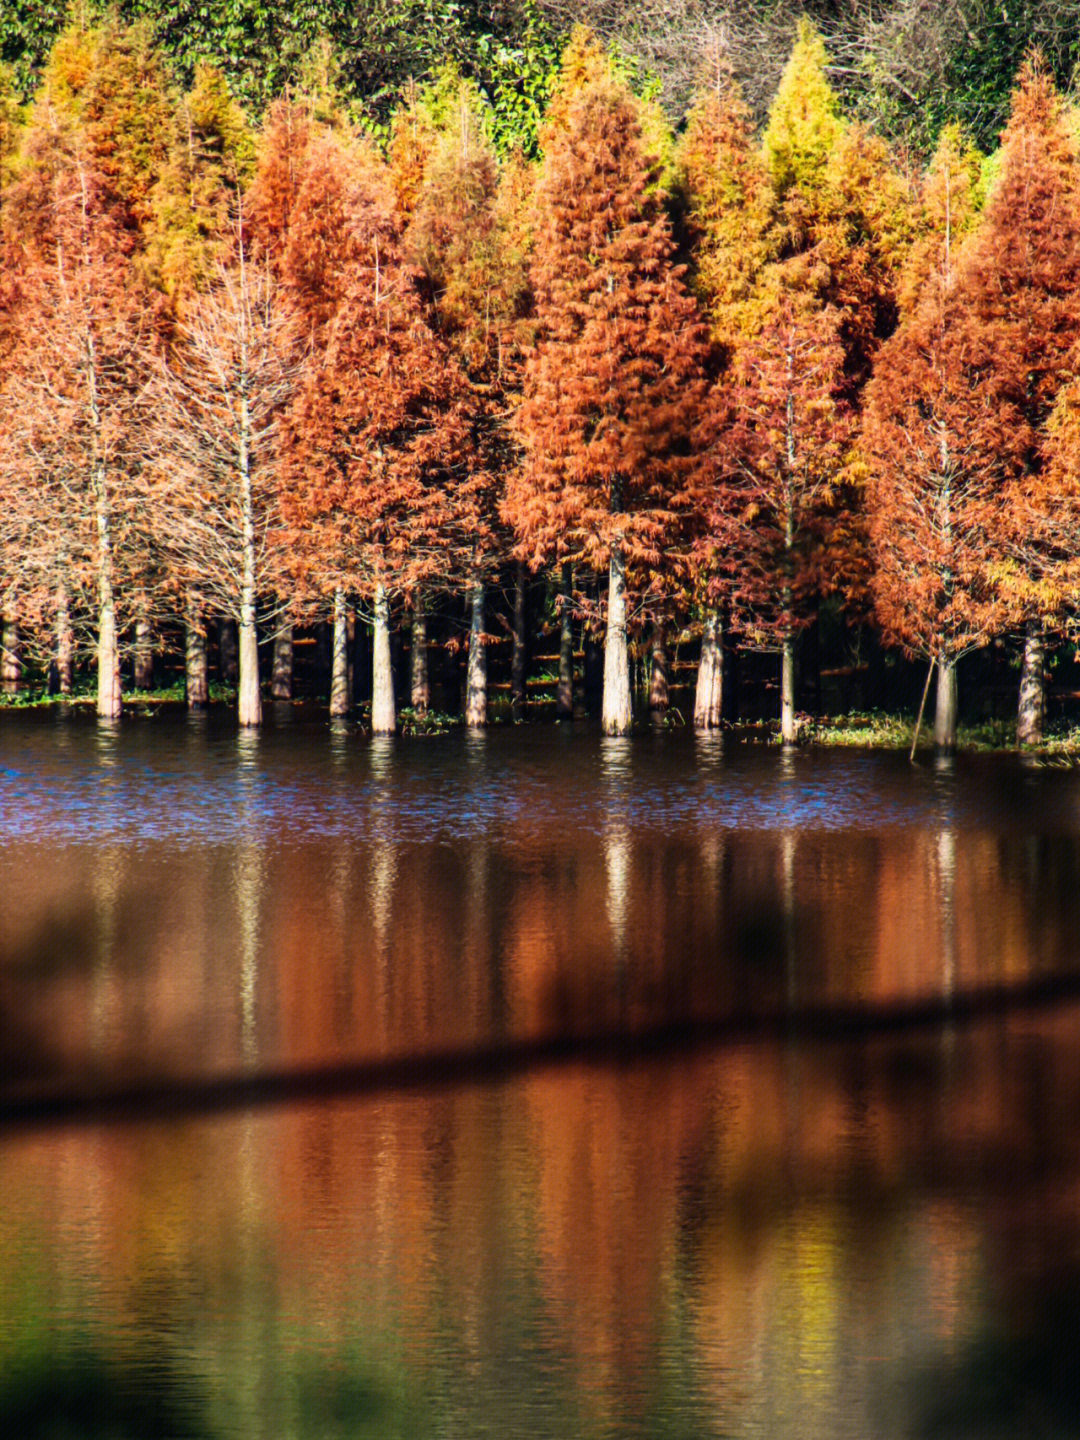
x: 755, y: 1236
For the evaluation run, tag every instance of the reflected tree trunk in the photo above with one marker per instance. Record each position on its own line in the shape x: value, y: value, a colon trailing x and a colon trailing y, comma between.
x: 1031, y: 713
x: 709, y: 695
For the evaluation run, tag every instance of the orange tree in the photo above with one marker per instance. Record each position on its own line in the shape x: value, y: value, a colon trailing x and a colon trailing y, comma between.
x: 613, y: 386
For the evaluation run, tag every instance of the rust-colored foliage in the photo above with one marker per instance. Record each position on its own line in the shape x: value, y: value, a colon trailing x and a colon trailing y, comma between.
x: 613, y: 387
x: 378, y: 428
x: 955, y: 414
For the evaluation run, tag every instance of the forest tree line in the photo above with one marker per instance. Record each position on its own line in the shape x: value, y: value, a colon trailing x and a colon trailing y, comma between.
x: 698, y: 380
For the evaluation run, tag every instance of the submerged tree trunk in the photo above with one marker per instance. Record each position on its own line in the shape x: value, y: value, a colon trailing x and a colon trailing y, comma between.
x: 143, y: 665
x: 196, y: 665
x: 108, y: 650
x: 383, y: 707
x: 65, y: 646
x: 476, y: 674
x: 1032, y: 709
x: 420, y: 675
x: 659, y: 666
x: 709, y: 695
x: 788, y: 731
x: 281, y: 675
x: 228, y: 652
x: 945, y: 708
x: 564, y: 695
x: 518, y: 660
x: 339, y: 659
x: 617, y: 715
x: 10, y: 659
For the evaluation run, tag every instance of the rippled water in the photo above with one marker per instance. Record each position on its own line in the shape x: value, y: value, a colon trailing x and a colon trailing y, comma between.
x: 532, y: 1084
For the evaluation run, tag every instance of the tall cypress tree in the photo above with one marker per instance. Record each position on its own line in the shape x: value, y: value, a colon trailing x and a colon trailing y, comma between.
x: 613, y: 387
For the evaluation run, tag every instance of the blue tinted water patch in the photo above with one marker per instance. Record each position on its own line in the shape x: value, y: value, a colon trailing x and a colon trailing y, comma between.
x: 138, y: 783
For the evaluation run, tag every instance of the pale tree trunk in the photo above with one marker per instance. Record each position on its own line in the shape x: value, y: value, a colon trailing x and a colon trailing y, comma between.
x: 709, y: 695
x: 945, y: 706
x: 617, y: 715
x: 476, y: 675
x: 420, y: 680
x: 108, y: 651
x: 788, y: 731
x: 281, y: 678
x: 143, y: 670
x: 658, y: 670
x: 65, y: 646
x: 1032, y: 708
x: 518, y: 659
x: 383, y: 708
x: 564, y: 696
x: 196, y: 666
x: 10, y: 661
x: 339, y: 659
x: 250, y: 699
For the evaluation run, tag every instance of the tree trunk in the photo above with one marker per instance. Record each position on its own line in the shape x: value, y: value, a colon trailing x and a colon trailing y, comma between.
x: 65, y: 646
x: 339, y: 659
x: 788, y: 731
x: 659, y: 697
x: 10, y: 661
x: 281, y: 677
x: 518, y: 663
x: 249, y: 709
x: 383, y: 708
x: 945, y: 709
x: 476, y: 677
x: 564, y: 695
x: 617, y: 716
x: 1032, y: 709
x: 420, y: 676
x: 709, y: 695
x: 228, y: 653
x: 143, y: 667
x: 108, y: 651
x: 196, y: 665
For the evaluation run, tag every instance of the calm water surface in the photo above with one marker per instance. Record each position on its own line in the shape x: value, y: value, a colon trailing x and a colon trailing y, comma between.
x: 518, y: 1086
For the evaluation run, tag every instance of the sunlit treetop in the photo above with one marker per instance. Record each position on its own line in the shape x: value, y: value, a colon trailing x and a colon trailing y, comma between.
x: 804, y: 124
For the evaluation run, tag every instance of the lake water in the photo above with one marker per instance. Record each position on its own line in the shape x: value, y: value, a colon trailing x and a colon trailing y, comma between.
x: 533, y: 1084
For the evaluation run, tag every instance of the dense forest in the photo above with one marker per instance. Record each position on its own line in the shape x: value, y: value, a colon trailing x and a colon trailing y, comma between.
x: 429, y: 334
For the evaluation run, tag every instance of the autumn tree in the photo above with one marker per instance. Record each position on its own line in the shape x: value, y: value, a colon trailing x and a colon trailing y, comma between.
x: 220, y: 390
x: 374, y: 435
x: 467, y: 236
x: 1021, y: 276
x: 731, y: 214
x: 613, y: 385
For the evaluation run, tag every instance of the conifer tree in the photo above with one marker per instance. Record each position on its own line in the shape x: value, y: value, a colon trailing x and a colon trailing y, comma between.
x: 960, y: 401
x: 466, y: 236
x: 614, y: 384
x: 377, y: 429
